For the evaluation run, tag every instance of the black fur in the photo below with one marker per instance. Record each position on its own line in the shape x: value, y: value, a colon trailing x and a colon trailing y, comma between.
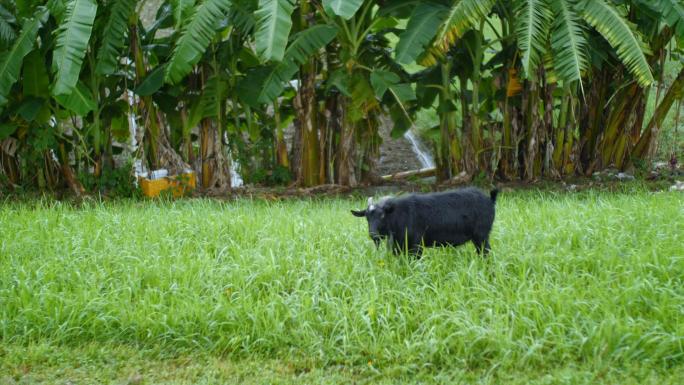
x: 449, y: 218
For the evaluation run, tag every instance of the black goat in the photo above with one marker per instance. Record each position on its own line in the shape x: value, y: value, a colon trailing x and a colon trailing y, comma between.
x: 415, y: 221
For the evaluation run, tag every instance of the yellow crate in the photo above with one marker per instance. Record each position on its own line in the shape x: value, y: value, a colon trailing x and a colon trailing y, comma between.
x: 179, y: 184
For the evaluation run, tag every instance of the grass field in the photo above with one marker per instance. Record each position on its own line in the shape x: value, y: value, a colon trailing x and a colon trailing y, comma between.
x: 580, y: 288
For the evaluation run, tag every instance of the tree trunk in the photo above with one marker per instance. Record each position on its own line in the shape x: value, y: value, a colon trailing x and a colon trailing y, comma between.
x: 615, y: 125
x: 475, y: 128
x: 546, y: 138
x: 189, y: 152
x: 323, y: 136
x: 296, y: 154
x: 645, y: 147
x: 71, y: 180
x: 445, y: 158
x: 571, y: 154
x: 207, y: 151
x: 564, y: 135
x: 368, y: 147
x: 109, y: 151
x: 151, y: 121
x: 9, y: 161
x: 468, y: 155
x: 168, y: 157
x: 559, y: 134
x: 280, y: 145
x: 591, y: 119
x: 420, y: 173
x: 215, y: 164
x: 152, y: 130
x: 333, y: 130
x: 532, y: 125
x: 505, y: 164
x: 187, y: 137
x: 308, y: 170
x: 346, y: 149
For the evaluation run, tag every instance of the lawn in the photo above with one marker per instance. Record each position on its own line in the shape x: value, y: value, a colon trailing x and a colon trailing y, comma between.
x: 580, y: 288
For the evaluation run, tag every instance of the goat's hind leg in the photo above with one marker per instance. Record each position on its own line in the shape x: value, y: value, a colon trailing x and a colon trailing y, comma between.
x: 416, y: 250
x: 482, y: 246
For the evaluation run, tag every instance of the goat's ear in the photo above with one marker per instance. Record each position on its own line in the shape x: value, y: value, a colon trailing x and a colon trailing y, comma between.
x: 358, y: 213
x: 388, y: 207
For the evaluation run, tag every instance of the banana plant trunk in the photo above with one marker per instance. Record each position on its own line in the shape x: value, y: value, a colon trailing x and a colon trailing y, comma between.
x: 215, y: 163
x: 346, y: 149
x: 645, y: 146
x: 151, y: 127
x: 505, y: 164
x: 307, y: 165
x: 512, y: 121
x: 468, y: 157
x: 187, y: 137
x: 10, y: 165
x: 333, y: 129
x: 68, y: 172
x: 475, y: 123
x: 546, y: 137
x: 308, y: 172
x: 206, y: 151
x: 280, y: 145
x: 188, y: 151
x: 447, y: 130
x: 532, y: 126
x: 564, y: 135
x: 592, y: 119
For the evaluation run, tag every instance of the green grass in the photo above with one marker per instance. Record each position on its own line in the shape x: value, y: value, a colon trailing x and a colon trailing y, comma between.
x: 580, y: 288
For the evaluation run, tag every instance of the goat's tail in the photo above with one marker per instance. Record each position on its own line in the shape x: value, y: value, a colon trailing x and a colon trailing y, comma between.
x: 493, y: 194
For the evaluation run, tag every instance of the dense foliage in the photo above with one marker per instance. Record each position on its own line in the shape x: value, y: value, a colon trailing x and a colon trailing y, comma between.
x: 521, y: 89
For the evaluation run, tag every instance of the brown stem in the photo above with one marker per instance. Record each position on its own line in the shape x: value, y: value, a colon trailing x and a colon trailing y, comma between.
x: 68, y: 173
x: 305, y: 102
x: 645, y: 146
x: 346, y: 150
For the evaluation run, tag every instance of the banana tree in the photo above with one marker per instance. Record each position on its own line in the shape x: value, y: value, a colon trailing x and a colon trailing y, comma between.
x: 447, y: 36
x: 359, y: 77
x: 203, y: 30
x: 36, y: 95
x: 69, y: 83
x: 364, y: 77
x: 577, y: 35
x: 666, y: 21
x: 283, y: 59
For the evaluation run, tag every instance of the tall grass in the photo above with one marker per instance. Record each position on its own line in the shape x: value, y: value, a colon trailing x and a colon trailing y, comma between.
x: 588, y: 279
